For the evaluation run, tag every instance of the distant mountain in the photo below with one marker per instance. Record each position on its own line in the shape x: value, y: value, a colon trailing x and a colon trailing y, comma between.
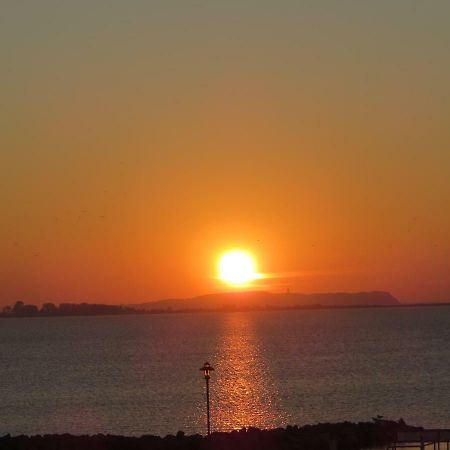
x: 266, y: 300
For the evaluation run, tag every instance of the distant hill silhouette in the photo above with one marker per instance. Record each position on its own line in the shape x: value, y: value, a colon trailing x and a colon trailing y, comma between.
x: 231, y: 301
x: 267, y: 300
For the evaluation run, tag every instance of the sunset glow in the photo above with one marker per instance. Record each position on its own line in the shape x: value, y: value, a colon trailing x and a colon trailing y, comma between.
x: 164, y: 141
x: 237, y: 268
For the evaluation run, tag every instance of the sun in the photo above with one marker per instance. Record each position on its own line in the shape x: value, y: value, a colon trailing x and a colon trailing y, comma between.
x: 237, y: 268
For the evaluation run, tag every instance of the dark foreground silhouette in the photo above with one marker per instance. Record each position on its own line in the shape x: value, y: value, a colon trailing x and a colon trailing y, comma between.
x: 339, y: 436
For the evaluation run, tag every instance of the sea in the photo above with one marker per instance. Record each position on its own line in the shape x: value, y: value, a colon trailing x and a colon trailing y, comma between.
x: 139, y: 374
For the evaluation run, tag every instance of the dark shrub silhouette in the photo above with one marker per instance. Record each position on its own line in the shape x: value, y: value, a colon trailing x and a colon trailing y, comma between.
x: 342, y: 436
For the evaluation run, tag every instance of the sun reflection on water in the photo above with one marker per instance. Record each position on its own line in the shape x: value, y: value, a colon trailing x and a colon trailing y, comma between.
x: 244, y: 394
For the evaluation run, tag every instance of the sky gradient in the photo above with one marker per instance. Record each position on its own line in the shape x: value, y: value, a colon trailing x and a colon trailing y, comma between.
x: 141, y: 139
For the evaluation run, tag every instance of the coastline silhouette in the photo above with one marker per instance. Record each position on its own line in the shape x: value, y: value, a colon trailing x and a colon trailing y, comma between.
x: 231, y: 301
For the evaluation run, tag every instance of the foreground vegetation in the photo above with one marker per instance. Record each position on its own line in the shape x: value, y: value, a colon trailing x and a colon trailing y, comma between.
x: 339, y: 436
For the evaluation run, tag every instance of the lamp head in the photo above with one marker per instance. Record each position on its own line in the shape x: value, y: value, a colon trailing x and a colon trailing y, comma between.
x: 206, y: 369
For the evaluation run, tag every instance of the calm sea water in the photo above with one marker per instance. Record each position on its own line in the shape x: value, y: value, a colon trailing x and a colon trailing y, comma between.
x: 140, y: 374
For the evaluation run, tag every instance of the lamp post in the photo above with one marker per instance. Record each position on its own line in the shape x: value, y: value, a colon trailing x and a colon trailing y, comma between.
x: 206, y: 369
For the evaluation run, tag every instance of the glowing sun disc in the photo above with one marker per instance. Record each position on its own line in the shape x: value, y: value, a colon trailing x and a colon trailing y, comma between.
x: 237, y: 267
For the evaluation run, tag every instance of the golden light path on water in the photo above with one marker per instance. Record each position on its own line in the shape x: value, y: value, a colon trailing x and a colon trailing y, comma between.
x: 244, y: 393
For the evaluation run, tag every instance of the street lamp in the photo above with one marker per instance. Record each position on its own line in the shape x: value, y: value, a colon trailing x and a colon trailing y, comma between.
x: 206, y: 369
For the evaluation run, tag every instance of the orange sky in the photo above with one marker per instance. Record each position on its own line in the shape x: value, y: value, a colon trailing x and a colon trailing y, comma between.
x: 139, y: 140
